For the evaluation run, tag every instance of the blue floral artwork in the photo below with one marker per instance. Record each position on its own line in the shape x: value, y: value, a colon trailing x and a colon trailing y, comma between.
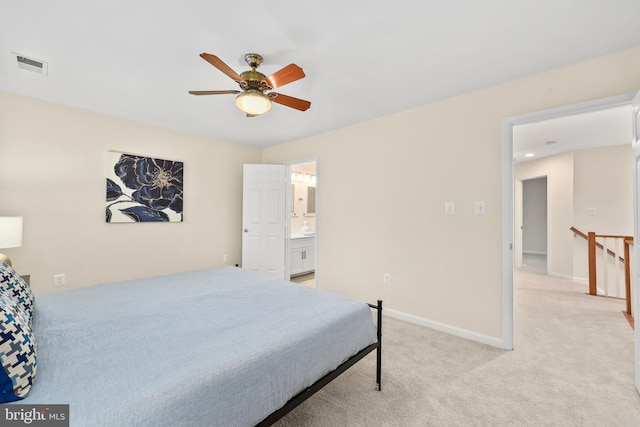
x: 143, y: 189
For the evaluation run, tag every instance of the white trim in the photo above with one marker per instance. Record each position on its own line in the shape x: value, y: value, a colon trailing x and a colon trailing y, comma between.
x: 287, y: 231
x: 534, y: 252
x: 560, y: 276
x: 581, y: 280
x: 507, y: 191
x: 507, y: 234
x: 569, y: 110
x: 635, y: 287
x: 442, y: 327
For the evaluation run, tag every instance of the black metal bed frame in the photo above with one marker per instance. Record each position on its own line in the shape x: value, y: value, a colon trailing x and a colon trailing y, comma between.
x: 318, y: 385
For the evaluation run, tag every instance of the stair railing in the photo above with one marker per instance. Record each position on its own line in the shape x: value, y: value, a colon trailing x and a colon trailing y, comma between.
x: 593, y: 246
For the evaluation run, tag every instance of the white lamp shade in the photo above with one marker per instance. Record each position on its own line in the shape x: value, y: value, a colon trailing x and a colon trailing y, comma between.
x: 10, y: 232
x: 253, y: 102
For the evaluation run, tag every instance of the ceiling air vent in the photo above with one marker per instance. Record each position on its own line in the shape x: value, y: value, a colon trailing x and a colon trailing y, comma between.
x: 30, y: 64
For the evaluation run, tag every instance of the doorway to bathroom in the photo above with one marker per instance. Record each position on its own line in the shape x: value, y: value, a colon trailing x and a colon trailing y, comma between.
x: 303, y: 223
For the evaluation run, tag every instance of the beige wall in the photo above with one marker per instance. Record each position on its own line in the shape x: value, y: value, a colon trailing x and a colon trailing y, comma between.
x: 386, y: 218
x: 603, y: 181
x: 559, y: 172
x: 52, y: 174
x: 599, y: 179
x: 389, y: 216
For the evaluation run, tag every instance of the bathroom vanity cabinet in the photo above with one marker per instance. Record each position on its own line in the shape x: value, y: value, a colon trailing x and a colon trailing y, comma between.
x: 302, y: 255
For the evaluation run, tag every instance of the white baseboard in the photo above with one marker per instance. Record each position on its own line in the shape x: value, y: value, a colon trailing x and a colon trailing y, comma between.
x: 599, y: 291
x: 533, y: 252
x: 581, y: 280
x: 459, y: 332
x: 560, y: 276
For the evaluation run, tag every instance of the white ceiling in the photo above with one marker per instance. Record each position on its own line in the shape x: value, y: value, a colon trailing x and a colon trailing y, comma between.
x: 606, y: 127
x: 137, y: 59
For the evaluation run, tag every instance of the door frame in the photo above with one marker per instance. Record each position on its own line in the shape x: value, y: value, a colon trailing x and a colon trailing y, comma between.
x: 635, y: 279
x: 508, y: 197
x: 289, y: 165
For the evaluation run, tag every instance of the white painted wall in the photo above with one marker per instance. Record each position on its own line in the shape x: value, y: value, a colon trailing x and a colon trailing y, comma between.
x: 52, y: 174
x: 389, y: 216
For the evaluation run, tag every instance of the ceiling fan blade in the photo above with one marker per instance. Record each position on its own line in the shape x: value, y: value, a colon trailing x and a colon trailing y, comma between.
x: 290, y: 101
x: 212, y: 92
x: 286, y: 75
x: 217, y: 62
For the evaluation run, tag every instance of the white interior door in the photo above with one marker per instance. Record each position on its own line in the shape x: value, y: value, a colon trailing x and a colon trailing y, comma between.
x: 635, y: 300
x: 264, y: 219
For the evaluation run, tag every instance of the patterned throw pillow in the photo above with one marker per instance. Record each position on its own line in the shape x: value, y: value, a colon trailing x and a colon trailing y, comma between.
x: 17, y: 352
x: 14, y: 286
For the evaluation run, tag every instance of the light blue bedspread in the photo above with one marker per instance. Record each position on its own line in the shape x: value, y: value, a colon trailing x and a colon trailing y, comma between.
x: 218, y: 347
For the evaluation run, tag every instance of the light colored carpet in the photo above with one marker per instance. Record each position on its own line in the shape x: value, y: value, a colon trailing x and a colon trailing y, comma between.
x: 572, y: 366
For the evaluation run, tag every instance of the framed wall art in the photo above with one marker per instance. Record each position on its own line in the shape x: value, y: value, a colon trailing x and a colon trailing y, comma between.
x: 143, y: 189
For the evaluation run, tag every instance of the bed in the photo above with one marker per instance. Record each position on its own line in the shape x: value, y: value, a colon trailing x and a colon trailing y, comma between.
x: 216, y: 347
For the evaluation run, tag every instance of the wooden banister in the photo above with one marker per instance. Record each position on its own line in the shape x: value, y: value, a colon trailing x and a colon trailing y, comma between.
x: 579, y: 233
x: 627, y: 239
x: 591, y: 253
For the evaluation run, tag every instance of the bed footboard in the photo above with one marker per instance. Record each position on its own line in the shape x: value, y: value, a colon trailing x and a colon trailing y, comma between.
x: 318, y: 385
x: 379, y: 346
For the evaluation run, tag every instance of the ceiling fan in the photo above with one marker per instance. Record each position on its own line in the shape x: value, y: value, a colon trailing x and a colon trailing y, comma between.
x: 256, y: 97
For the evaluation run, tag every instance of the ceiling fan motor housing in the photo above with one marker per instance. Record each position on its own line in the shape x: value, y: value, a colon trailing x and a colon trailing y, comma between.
x: 253, y: 59
x: 254, y: 80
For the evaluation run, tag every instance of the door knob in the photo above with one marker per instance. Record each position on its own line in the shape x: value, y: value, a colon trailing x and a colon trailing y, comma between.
x: 246, y: 230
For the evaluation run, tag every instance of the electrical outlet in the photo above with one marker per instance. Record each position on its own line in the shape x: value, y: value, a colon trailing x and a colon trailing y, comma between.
x: 387, y: 279
x: 225, y: 258
x: 59, y: 280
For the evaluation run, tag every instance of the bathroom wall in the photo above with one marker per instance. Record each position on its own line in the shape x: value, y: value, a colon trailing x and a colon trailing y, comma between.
x: 299, y: 199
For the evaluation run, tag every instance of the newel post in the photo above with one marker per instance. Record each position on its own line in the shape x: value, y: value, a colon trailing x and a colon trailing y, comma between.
x: 592, y: 263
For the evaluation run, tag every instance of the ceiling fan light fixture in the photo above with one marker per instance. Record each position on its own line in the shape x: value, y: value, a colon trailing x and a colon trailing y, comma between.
x: 253, y: 102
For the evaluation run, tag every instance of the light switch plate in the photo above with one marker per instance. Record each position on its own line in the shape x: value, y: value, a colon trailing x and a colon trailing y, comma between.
x: 449, y: 208
x: 481, y: 208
